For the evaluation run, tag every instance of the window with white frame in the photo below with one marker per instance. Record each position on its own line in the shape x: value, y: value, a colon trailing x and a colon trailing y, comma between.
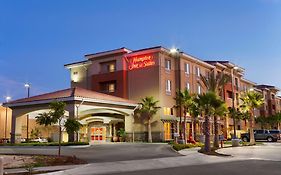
x: 167, y: 64
x: 187, y: 86
x: 198, y: 71
x: 199, y: 89
x: 186, y: 68
x: 168, y: 85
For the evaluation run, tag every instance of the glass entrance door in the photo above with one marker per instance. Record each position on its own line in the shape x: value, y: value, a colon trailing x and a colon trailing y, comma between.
x: 98, y: 133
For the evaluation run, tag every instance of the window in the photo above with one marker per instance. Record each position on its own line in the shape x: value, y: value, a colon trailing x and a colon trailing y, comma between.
x: 111, y: 67
x: 111, y: 87
x: 197, y: 70
x: 75, y: 73
x: 229, y: 94
x: 168, y: 86
x: 187, y: 86
x: 186, y: 68
x: 259, y: 131
x: 107, y: 67
x: 167, y: 131
x: 238, y: 127
x: 237, y: 99
x: 167, y: 64
x: 199, y: 89
x: 108, y: 87
x: 168, y: 111
x: 236, y: 83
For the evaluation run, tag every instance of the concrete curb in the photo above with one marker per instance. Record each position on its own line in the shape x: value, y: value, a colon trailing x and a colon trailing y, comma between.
x: 41, y: 169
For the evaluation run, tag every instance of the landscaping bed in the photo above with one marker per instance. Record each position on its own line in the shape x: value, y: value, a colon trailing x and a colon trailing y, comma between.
x: 179, y: 147
x: 32, y: 161
x: 46, y: 144
x: 212, y: 152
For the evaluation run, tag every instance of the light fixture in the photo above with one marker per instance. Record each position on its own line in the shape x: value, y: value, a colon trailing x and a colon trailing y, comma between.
x: 8, y: 98
x: 251, y: 89
x: 174, y: 50
x: 26, y: 85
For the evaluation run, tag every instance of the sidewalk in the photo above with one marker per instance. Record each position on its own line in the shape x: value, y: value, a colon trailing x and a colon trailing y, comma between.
x: 192, y: 157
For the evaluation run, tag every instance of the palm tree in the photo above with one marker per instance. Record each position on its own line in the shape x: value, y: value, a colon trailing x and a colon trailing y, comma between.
x: 185, y: 101
x: 220, y: 109
x: 194, y: 112
x: 206, y: 106
x: 148, y: 109
x: 215, y: 83
x: 250, y: 101
x: 262, y: 120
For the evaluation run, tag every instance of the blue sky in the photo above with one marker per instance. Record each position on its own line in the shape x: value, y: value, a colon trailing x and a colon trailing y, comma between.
x: 38, y: 37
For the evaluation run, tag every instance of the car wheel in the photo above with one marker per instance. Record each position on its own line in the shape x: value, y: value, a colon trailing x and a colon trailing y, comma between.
x: 269, y: 139
x: 245, y: 139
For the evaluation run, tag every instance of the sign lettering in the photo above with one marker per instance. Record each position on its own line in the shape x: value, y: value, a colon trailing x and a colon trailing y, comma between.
x: 141, y: 62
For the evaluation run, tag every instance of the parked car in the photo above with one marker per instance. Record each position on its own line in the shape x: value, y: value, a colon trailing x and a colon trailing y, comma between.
x: 40, y: 140
x: 275, y: 131
x: 261, y: 134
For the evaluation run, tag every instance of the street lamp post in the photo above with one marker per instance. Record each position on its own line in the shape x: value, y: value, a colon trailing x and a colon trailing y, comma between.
x: 6, y: 120
x: 176, y: 53
x: 77, y: 118
x: 27, y: 86
x: 233, y: 101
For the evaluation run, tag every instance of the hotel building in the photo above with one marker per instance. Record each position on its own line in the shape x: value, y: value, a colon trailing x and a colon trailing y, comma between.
x: 107, y: 86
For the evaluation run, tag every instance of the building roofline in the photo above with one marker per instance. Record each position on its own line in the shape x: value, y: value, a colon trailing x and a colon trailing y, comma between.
x: 248, y: 81
x: 264, y: 86
x: 78, y: 64
x: 109, y: 52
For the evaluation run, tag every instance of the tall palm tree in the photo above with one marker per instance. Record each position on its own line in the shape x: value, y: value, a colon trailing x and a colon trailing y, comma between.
x: 185, y: 100
x: 207, y: 103
x: 215, y: 83
x: 148, y: 109
x: 194, y: 112
x: 250, y: 101
x: 220, y: 109
x: 262, y: 120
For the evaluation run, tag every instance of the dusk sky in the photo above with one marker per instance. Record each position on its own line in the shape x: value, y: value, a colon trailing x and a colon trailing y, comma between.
x: 38, y: 37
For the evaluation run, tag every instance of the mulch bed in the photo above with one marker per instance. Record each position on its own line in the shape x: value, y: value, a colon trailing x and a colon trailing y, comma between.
x: 213, y: 153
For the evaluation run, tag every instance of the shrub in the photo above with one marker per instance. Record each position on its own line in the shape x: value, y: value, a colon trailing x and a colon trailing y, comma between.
x: 179, y: 147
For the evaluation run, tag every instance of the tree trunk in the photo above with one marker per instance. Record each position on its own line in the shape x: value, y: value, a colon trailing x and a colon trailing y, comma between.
x: 194, y: 129
x: 59, y: 152
x: 149, y: 131
x: 184, y: 128
x: 216, y: 139
x: 252, y: 136
x: 180, y: 125
x: 207, y: 134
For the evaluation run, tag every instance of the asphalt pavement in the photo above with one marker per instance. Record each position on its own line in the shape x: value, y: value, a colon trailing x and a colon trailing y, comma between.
x: 100, y: 152
x: 247, y: 167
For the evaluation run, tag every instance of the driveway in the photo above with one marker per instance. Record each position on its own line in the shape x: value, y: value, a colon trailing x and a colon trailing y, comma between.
x: 101, y: 152
x: 268, y: 151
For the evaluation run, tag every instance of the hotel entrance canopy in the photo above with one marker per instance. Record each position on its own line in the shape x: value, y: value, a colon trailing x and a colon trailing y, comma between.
x: 85, y: 105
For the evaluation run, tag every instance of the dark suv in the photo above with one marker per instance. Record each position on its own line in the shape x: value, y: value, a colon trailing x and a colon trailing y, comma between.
x: 261, y: 134
x: 275, y: 131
